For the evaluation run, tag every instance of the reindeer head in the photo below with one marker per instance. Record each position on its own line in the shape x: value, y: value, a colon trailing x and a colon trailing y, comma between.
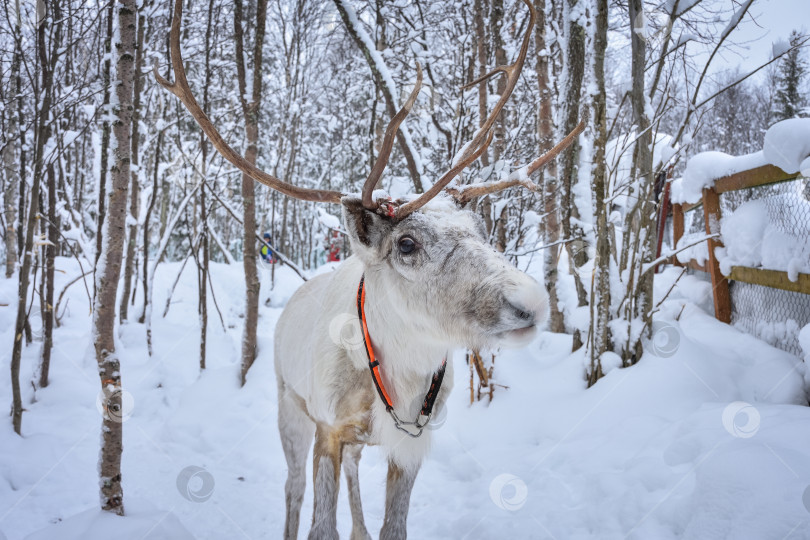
x: 434, y: 258
x: 445, y: 279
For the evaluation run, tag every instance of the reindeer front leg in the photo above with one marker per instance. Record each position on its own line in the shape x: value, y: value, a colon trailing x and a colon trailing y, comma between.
x: 397, y: 500
x: 351, y: 464
x: 326, y: 473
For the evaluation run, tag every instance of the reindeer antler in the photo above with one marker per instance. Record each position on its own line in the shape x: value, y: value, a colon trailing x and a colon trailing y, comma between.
x: 483, y: 138
x: 471, y: 152
x: 464, y: 194
x: 388, y: 143
x: 181, y: 89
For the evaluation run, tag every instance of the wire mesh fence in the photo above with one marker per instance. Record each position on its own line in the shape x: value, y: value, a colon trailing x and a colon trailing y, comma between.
x: 773, y: 315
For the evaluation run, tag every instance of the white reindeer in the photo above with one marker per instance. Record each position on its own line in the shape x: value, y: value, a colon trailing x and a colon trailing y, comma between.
x: 422, y: 281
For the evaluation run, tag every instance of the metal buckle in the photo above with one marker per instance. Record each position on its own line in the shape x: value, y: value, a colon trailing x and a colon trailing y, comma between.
x: 413, y: 429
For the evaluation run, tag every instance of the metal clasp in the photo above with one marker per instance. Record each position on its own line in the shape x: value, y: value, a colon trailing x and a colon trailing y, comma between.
x: 413, y: 429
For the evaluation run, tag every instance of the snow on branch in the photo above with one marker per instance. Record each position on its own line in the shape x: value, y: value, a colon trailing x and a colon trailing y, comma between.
x: 665, y: 256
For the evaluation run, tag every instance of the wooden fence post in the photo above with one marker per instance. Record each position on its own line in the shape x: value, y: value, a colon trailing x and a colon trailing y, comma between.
x: 720, y: 292
x: 663, y: 213
x: 677, y: 229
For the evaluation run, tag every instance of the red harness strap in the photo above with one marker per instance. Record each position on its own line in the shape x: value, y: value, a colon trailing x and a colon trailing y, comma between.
x: 374, y: 365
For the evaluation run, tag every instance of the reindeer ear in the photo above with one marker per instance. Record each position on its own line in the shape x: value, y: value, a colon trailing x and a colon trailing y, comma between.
x: 368, y: 231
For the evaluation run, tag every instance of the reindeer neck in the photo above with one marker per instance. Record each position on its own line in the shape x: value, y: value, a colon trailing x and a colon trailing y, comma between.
x: 406, y: 350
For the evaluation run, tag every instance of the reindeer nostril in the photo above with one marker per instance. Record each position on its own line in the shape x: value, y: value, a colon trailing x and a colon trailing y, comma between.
x: 525, y: 303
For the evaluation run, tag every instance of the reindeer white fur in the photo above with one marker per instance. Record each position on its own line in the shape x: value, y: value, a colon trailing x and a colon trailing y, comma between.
x: 452, y: 290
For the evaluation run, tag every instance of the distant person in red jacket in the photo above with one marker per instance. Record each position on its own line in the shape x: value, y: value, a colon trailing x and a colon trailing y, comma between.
x: 335, y: 247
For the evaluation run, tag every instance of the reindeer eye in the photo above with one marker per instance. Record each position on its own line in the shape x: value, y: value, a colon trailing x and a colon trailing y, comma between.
x: 406, y: 245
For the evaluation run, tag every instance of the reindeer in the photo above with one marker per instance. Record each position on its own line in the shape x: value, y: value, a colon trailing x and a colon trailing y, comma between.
x: 422, y: 281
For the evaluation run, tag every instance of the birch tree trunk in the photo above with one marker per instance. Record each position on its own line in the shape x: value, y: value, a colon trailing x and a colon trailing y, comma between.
x: 18, y: 85
x: 105, y: 133
x: 43, y: 114
x: 147, y: 230
x: 547, y: 177
x: 202, y: 265
x: 109, y: 265
x: 134, y: 194
x: 481, y: 57
x: 11, y: 193
x: 250, y: 110
x: 499, y: 129
x: 575, y: 61
x: 645, y: 237
x: 482, y: 53
x: 600, y: 293
x: 50, y: 259
x: 10, y: 199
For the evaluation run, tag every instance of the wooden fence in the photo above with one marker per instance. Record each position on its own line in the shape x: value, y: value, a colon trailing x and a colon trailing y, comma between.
x: 760, y: 176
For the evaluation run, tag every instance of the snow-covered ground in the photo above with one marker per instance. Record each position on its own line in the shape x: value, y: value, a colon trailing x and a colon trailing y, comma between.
x: 707, y: 437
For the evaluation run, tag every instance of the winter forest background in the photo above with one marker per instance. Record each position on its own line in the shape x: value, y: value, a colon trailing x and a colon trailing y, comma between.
x: 134, y: 296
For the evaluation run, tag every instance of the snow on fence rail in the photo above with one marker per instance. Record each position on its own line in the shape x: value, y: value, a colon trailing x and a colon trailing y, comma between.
x: 760, y: 264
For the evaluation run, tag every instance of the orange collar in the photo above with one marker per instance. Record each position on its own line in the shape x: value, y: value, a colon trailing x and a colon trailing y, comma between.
x: 414, y: 429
